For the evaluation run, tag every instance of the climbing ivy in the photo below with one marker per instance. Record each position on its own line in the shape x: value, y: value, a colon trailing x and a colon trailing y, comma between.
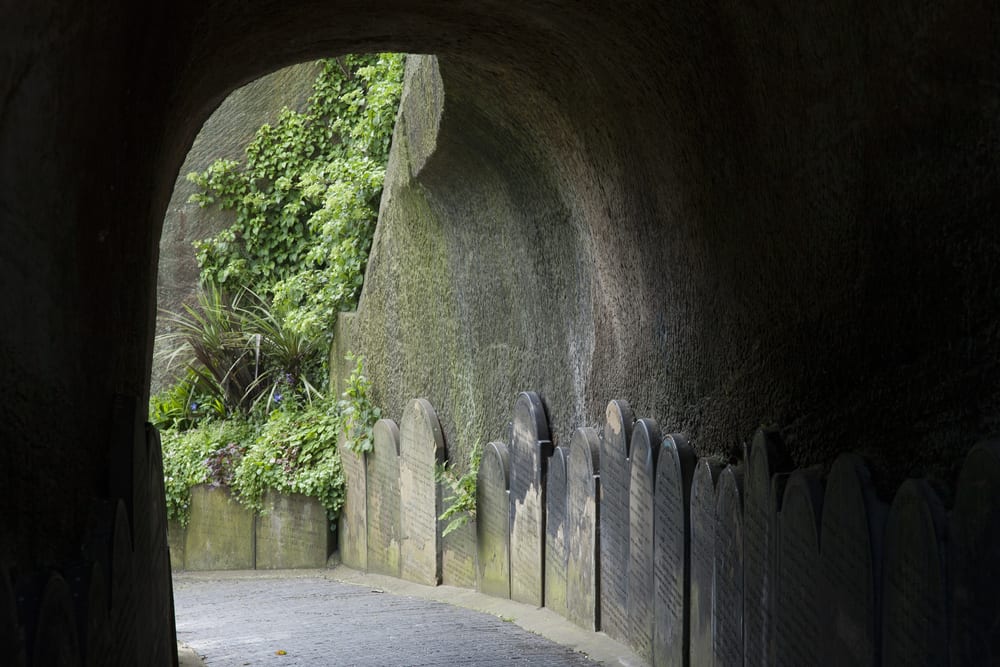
x: 306, y: 197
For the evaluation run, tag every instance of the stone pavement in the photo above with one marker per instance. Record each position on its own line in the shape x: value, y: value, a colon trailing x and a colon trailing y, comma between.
x: 343, y: 617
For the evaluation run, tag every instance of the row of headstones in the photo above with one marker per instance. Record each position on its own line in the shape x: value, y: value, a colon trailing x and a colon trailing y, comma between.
x: 690, y: 561
x: 114, y: 605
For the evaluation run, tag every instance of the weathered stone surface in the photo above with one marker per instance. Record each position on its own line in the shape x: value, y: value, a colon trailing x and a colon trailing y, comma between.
x: 974, y: 559
x: 382, y: 485
x: 915, y: 595
x: 702, y: 556
x: 727, y: 603
x: 493, y: 521
x: 614, y: 517
x: 797, y: 614
x: 458, y: 555
x: 421, y: 450
x: 529, y: 453
x: 219, y: 533
x: 556, y: 532
x: 851, y: 551
x: 767, y: 458
x: 95, y: 639
x: 292, y: 531
x: 162, y: 646
x: 124, y: 598
x: 176, y: 536
x: 56, y: 641
x: 11, y: 634
x: 672, y: 568
x: 582, y: 571
x: 224, y: 135
x: 645, y: 450
x: 352, y: 526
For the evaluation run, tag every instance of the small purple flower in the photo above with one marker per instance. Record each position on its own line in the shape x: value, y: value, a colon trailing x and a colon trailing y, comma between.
x: 277, y: 397
x: 193, y: 406
x: 289, y: 379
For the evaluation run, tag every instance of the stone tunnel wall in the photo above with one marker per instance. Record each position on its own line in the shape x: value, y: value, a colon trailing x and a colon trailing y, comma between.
x: 687, y: 558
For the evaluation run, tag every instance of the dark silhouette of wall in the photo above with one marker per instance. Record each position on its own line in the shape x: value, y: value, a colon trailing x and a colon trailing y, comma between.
x: 778, y: 213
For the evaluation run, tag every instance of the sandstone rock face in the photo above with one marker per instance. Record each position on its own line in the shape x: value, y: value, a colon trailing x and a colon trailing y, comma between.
x: 224, y: 135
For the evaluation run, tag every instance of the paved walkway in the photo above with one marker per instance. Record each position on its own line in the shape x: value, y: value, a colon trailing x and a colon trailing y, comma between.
x: 343, y: 617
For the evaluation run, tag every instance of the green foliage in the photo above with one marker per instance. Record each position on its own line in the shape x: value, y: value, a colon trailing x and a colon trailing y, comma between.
x: 463, y: 490
x: 357, y: 413
x: 185, y: 404
x: 306, y: 198
x: 186, y: 456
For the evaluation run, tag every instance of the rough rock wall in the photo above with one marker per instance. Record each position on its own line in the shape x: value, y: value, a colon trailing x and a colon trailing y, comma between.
x: 224, y: 136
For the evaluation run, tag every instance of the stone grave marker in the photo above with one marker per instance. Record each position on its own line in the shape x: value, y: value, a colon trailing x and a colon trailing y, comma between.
x: 56, y: 641
x: 293, y: 532
x: 767, y: 458
x: 851, y: 552
x: 914, y: 603
x: 383, y: 499
x: 702, y: 508
x: 556, y: 532
x: 493, y: 521
x: 614, y: 518
x: 975, y: 559
x: 123, y: 594
x: 529, y: 453
x: 159, y: 574
x: 671, y: 572
x: 727, y: 605
x: 11, y: 635
x: 582, y: 481
x: 220, y: 532
x: 799, y: 582
x: 645, y: 450
x: 97, y: 638
x: 458, y: 552
x: 352, y: 527
x: 421, y: 450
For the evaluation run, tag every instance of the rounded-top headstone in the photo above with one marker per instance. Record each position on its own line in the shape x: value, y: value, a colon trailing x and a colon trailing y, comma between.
x: 352, y: 527
x: 123, y: 594
x: 493, y: 521
x: 614, y: 518
x: 767, y: 458
x: 975, y: 559
x: 645, y: 451
x: 384, y: 526
x: 672, y: 569
x: 582, y: 481
x: 11, y: 635
x: 797, y: 614
x: 702, y: 559
x: 97, y: 640
x: 914, y: 603
x: 555, y: 532
x: 727, y: 604
x: 853, y: 523
x: 529, y: 451
x: 56, y: 640
x: 421, y: 451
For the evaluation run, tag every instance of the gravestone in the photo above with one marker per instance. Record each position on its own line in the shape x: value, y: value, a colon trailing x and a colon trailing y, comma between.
x: 975, y: 559
x: 727, y: 605
x: 96, y: 629
x: 702, y: 508
x: 671, y: 530
x: 383, y: 499
x: 767, y: 458
x: 292, y: 532
x: 914, y: 603
x: 56, y: 641
x: 458, y: 552
x: 159, y: 574
x: 582, y: 482
x: 493, y: 521
x: 421, y: 450
x: 851, y: 552
x: 645, y: 450
x: 123, y: 595
x: 556, y: 532
x: 614, y: 518
x: 797, y: 612
x: 11, y: 634
x: 220, y: 531
x: 529, y: 453
x: 352, y: 527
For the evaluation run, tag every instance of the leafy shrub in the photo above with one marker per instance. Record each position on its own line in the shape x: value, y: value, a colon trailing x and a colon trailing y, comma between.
x: 356, y: 411
x: 463, y: 490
